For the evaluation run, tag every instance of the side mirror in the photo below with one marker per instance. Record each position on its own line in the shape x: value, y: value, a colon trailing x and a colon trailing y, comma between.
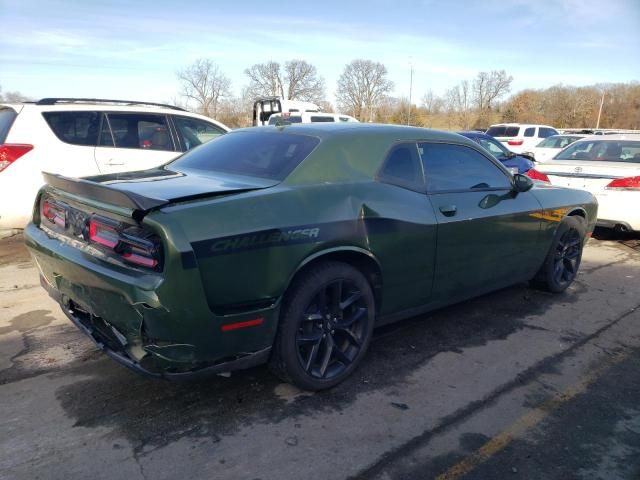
x: 522, y: 183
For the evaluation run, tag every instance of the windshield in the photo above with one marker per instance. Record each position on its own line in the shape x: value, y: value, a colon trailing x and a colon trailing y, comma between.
x: 557, y: 142
x: 251, y: 153
x: 503, y: 131
x: 603, y: 151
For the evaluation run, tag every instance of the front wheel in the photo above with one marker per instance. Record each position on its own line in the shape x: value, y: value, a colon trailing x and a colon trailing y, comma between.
x: 326, y: 326
x: 561, y: 265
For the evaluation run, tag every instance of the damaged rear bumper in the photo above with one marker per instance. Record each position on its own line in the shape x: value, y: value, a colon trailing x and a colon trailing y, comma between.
x: 87, y: 323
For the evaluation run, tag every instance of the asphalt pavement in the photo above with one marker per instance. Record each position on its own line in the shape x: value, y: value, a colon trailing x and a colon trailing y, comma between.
x: 515, y: 384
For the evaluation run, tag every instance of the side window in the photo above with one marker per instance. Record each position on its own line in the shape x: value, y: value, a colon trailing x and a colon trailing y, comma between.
x: 456, y: 167
x: 491, y: 147
x: 402, y: 168
x: 546, y: 132
x: 138, y: 130
x: 194, y: 132
x: 530, y: 132
x: 76, y: 128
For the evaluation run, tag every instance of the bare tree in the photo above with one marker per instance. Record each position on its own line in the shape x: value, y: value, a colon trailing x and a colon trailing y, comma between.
x: 299, y: 80
x: 205, y: 84
x: 362, y: 87
x: 458, y: 101
x: 13, y: 97
x: 489, y: 87
x: 303, y: 81
x: 265, y: 80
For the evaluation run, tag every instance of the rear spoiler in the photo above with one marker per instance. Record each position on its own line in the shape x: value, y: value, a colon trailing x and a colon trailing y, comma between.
x: 104, y: 193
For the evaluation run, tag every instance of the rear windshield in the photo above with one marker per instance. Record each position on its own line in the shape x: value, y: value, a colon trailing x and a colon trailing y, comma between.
x: 503, y: 131
x: 7, y: 116
x: 251, y: 153
x: 322, y: 119
x: 602, y: 151
x: 286, y: 120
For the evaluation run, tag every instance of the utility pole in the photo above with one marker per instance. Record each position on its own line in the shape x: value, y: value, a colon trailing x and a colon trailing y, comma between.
x: 410, y: 89
x: 600, y: 111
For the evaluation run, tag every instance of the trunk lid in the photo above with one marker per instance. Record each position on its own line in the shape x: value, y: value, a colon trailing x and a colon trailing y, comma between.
x: 150, y: 189
x: 592, y: 176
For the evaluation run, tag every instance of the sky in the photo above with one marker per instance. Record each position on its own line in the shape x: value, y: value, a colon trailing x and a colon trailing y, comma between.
x: 132, y: 49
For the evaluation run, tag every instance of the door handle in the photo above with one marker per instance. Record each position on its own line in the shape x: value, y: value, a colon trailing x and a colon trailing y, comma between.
x: 449, y: 210
x: 112, y: 162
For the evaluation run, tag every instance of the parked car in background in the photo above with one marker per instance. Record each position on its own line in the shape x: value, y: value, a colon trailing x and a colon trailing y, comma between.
x: 309, y: 117
x: 550, y: 146
x: 520, y: 137
x: 515, y: 163
x: 289, y: 245
x: 607, y: 166
x: 80, y: 137
x: 264, y: 107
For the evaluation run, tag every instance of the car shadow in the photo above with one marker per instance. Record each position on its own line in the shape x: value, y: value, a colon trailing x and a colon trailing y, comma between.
x: 152, y: 413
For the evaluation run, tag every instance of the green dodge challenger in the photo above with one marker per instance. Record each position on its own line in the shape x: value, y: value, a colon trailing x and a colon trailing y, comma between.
x: 288, y: 245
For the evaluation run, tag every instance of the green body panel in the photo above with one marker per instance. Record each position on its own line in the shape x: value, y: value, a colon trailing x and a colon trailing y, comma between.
x: 230, y: 257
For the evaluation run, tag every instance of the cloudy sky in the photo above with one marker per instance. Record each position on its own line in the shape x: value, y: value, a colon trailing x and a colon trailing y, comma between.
x: 132, y: 49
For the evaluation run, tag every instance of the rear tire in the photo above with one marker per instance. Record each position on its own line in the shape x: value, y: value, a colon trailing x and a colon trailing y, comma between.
x: 560, y: 267
x: 325, y: 327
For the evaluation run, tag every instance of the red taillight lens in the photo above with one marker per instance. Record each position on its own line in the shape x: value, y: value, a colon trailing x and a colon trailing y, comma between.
x: 132, y: 244
x: 54, y: 213
x: 628, y: 183
x: 514, y: 141
x: 10, y: 152
x: 536, y: 175
x: 103, y: 234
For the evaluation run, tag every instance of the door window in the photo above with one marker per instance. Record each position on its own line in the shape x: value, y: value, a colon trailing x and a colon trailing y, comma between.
x: 456, y: 167
x: 137, y: 130
x: 546, y: 132
x: 530, y: 132
x: 76, y: 128
x: 193, y: 132
x: 494, y: 149
x: 402, y: 168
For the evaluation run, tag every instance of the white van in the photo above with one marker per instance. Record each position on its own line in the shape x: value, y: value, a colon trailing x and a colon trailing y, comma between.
x: 264, y: 107
x: 308, y: 117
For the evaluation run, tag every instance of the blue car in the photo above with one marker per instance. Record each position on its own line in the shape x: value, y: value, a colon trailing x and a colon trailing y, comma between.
x: 509, y: 159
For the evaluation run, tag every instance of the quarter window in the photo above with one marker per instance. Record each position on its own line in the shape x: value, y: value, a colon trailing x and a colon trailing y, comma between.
x: 138, y: 130
x: 456, y: 167
x: 194, y: 132
x: 76, y: 128
x: 402, y: 167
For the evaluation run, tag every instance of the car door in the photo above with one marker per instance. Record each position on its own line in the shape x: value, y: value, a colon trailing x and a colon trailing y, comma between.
x: 487, y: 234
x: 134, y: 141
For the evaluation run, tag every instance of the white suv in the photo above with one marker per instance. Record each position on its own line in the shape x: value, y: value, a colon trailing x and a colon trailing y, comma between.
x: 520, y: 137
x: 81, y: 137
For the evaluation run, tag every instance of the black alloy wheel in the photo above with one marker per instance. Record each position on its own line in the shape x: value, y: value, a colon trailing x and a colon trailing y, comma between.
x: 332, y: 329
x: 325, y: 327
x: 567, y: 257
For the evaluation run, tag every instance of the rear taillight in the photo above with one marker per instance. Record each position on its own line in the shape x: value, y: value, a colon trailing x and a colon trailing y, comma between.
x: 132, y: 244
x: 103, y: 234
x: 515, y: 141
x: 537, y: 175
x: 54, y: 213
x: 628, y: 183
x: 10, y: 152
